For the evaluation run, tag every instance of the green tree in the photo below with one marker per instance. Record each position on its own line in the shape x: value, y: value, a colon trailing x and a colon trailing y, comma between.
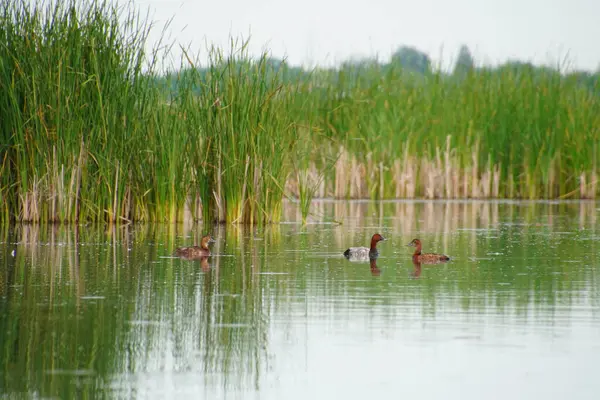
x: 412, y: 59
x: 464, y: 62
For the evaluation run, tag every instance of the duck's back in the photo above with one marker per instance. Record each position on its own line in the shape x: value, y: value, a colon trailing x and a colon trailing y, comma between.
x: 359, y: 254
x: 192, y: 251
x: 432, y: 257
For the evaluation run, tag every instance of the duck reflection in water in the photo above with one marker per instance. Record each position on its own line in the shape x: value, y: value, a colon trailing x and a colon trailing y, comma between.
x: 416, y: 273
x: 203, y: 261
x: 374, y: 270
x: 204, y: 264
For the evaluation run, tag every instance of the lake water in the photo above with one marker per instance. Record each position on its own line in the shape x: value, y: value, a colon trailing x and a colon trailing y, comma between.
x: 278, y: 313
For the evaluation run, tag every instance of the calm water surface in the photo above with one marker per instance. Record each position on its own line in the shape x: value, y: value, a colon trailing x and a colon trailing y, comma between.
x: 278, y: 313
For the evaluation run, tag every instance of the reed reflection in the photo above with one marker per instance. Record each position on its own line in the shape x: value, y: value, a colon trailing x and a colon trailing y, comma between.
x: 113, y: 301
x: 438, y: 219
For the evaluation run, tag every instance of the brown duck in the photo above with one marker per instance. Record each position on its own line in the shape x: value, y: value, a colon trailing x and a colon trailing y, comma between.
x: 196, y: 252
x: 426, y: 258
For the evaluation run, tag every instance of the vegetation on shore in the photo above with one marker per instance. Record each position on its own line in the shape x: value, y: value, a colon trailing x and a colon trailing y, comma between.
x: 92, y: 130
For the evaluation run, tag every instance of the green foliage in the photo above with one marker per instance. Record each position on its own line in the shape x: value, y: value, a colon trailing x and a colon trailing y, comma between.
x: 72, y: 100
x: 86, y: 135
x: 411, y: 59
x: 92, y: 131
x: 464, y: 62
x: 246, y: 135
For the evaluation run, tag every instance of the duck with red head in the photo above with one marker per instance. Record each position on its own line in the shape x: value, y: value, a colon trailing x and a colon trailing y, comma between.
x: 426, y: 258
x: 364, y: 253
x: 196, y: 252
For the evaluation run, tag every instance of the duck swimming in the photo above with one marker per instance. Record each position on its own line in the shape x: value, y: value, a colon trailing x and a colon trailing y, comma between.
x: 196, y: 252
x: 426, y: 258
x: 364, y: 253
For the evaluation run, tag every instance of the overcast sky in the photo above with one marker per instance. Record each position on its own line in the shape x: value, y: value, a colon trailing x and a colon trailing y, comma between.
x: 326, y: 32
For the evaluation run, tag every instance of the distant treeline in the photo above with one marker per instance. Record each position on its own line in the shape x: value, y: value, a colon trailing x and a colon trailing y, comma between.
x: 410, y: 60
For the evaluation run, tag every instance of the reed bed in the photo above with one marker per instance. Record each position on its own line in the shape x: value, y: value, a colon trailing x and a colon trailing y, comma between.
x: 91, y: 136
x: 92, y: 130
x: 496, y: 133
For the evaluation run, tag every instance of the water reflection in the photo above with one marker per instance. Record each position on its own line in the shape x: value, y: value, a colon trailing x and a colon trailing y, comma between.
x: 374, y: 270
x: 416, y: 273
x: 109, y: 310
x: 438, y: 218
x: 201, y: 260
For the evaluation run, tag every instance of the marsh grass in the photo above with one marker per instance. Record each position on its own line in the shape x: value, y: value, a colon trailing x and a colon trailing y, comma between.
x: 516, y: 133
x: 73, y: 98
x: 308, y: 180
x: 88, y: 136
x: 92, y: 130
x: 245, y: 135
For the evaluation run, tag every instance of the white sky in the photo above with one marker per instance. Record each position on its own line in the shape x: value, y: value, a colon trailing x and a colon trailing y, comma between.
x: 327, y: 32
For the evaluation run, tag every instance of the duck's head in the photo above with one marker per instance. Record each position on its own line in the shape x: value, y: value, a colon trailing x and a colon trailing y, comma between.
x: 377, y: 238
x: 206, y: 240
x: 414, y: 243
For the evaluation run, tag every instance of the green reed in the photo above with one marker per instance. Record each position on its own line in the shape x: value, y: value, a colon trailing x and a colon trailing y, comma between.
x: 72, y: 108
x: 538, y: 128
x: 92, y: 130
x: 245, y: 135
x: 89, y: 135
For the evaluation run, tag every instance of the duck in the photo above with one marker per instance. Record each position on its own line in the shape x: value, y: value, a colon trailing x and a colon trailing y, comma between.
x: 364, y: 253
x: 196, y: 252
x: 426, y: 258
